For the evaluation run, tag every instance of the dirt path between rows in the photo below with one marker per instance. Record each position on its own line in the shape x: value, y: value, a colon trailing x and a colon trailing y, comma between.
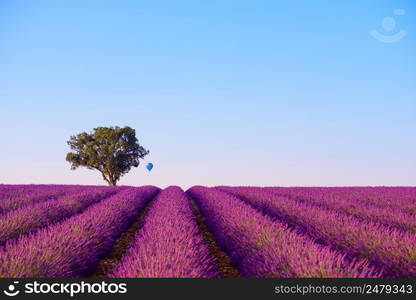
x: 123, y: 243
x: 222, y: 260
x: 121, y: 246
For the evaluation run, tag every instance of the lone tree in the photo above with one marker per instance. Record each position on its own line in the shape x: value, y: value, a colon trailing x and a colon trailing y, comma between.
x: 110, y: 150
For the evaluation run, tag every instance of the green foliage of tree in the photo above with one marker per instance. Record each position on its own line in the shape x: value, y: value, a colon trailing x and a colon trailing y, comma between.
x: 111, y: 150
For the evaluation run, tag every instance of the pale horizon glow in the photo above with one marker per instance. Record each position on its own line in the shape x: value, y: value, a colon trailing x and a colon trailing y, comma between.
x: 221, y: 93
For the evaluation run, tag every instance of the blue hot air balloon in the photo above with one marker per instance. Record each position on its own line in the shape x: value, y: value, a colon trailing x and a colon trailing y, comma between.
x: 149, y: 166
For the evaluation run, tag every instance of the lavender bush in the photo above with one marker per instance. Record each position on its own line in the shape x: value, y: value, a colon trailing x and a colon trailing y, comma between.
x: 262, y: 247
x: 34, y: 216
x: 361, y: 209
x: 15, y: 196
x: 73, y: 248
x: 394, y: 250
x: 169, y: 243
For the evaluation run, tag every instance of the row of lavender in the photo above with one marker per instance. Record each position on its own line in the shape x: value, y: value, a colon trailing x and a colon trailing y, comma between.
x: 262, y: 247
x: 168, y: 245
x: 73, y: 247
x: 395, y: 198
x: 31, y: 217
x: 398, y: 214
x: 67, y: 236
x: 13, y: 197
x: 387, y: 247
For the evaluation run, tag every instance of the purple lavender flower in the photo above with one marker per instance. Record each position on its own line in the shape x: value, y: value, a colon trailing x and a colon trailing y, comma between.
x: 262, y: 247
x: 73, y: 248
x: 169, y: 243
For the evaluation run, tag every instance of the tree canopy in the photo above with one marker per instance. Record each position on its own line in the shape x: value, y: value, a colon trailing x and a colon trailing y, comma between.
x: 111, y: 150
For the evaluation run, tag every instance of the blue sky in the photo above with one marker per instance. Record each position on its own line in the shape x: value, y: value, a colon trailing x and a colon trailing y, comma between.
x: 288, y: 93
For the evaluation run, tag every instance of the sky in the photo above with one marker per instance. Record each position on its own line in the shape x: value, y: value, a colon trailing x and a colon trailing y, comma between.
x: 282, y: 93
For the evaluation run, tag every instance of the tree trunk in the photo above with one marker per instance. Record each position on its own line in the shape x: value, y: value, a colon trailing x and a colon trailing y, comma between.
x: 110, y: 181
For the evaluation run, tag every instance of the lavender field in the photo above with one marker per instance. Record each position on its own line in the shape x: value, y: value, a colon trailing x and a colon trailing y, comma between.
x: 119, y: 232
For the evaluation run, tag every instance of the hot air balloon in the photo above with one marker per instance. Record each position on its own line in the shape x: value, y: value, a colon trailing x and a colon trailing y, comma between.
x: 149, y: 166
